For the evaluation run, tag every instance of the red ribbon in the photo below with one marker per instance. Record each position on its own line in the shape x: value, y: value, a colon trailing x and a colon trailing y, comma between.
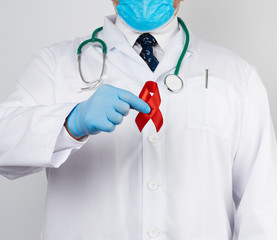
x: 154, y: 102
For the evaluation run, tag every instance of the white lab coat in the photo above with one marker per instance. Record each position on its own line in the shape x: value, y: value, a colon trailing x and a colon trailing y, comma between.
x: 216, y: 145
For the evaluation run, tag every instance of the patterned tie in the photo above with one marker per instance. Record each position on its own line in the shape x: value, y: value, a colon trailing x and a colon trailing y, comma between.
x: 147, y: 41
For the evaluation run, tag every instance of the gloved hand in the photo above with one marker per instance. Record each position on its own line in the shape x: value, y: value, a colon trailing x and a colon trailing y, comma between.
x: 103, y: 111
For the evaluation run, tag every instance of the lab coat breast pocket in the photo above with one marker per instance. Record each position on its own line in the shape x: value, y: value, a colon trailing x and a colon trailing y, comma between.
x: 213, y: 108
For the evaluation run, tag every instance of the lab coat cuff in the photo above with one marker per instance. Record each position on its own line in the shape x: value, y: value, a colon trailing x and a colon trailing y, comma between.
x: 65, y: 145
x: 65, y: 141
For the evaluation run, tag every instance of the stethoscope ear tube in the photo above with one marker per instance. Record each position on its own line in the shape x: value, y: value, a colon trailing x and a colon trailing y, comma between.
x: 92, y: 84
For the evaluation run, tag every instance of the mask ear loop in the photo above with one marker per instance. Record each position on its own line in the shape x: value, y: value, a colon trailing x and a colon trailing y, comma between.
x: 176, y: 10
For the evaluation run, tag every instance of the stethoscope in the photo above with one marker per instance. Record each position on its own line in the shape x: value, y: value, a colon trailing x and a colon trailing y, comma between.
x: 172, y: 81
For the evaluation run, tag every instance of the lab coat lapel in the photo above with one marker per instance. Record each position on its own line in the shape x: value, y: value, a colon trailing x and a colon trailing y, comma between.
x: 115, y: 41
x: 173, y: 53
x: 130, y: 52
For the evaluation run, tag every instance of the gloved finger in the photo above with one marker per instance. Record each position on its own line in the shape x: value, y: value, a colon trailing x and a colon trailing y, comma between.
x: 114, y: 117
x: 104, y: 125
x: 134, y: 101
x: 122, y: 108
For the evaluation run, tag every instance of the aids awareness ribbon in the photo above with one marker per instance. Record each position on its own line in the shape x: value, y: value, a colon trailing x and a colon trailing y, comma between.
x: 154, y: 101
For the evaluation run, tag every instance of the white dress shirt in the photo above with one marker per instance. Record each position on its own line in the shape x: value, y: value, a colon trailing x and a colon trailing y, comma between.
x: 164, y: 36
x: 217, y: 145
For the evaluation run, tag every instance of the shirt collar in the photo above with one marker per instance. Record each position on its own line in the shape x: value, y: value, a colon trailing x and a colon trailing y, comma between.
x: 114, y: 33
x: 162, y: 35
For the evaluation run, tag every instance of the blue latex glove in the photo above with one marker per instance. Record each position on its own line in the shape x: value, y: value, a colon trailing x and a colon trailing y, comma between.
x: 103, y: 111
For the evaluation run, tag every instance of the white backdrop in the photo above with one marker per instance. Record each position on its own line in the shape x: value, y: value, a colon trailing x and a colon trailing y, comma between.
x: 247, y: 27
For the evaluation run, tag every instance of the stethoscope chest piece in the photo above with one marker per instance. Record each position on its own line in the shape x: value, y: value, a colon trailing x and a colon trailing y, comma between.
x: 174, y: 83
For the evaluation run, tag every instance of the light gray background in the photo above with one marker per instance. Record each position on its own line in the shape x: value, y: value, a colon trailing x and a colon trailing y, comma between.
x: 247, y: 27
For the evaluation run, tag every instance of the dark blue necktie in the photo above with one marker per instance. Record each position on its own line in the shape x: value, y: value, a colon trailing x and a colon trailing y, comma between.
x: 147, y: 41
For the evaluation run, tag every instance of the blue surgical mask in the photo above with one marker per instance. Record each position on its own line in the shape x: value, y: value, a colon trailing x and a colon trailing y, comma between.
x: 145, y: 15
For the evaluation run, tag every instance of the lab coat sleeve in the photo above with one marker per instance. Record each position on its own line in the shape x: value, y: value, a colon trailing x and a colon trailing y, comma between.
x: 32, y: 130
x: 255, y: 167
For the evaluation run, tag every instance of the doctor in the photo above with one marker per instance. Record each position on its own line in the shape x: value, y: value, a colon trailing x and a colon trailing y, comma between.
x: 109, y: 181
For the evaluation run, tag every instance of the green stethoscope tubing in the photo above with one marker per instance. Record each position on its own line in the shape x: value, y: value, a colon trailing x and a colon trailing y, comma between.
x: 185, y: 49
x: 104, y: 50
x: 93, y: 39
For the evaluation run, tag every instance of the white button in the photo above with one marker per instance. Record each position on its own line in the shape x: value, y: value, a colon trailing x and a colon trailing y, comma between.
x: 153, y: 138
x: 154, y: 233
x: 153, y: 186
